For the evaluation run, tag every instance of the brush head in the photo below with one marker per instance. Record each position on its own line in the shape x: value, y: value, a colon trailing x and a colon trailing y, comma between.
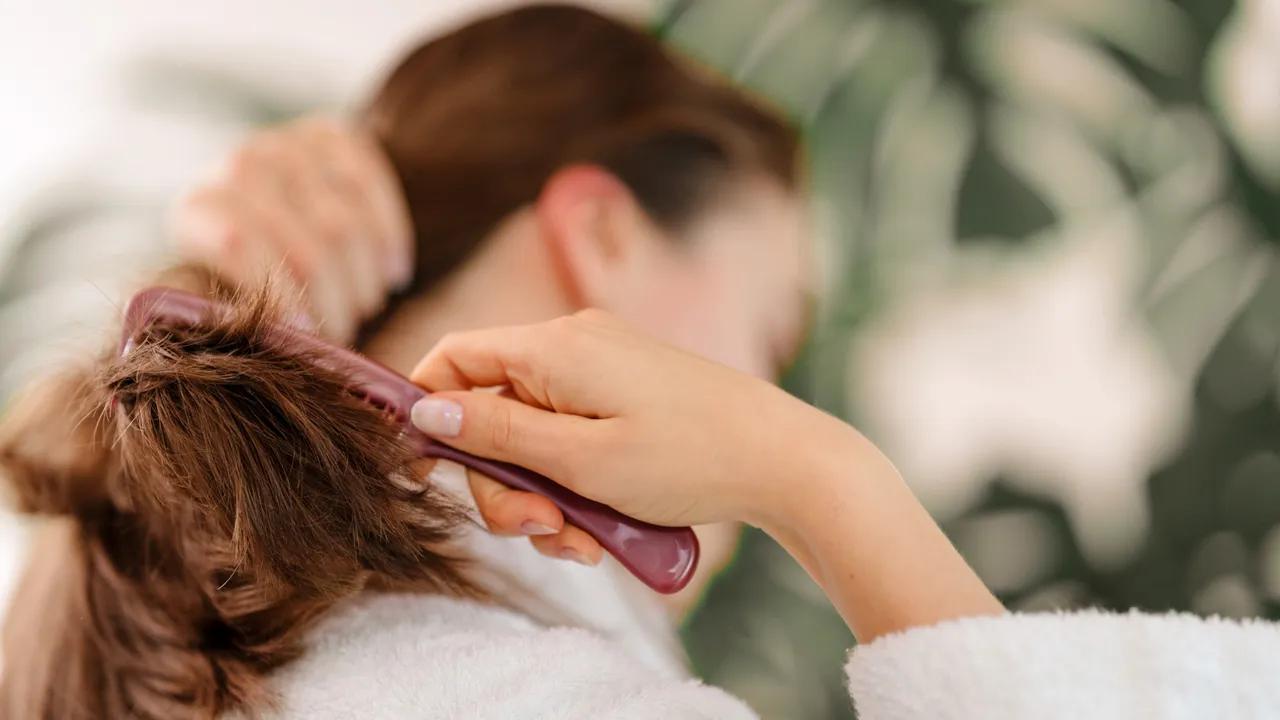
x: 664, y: 558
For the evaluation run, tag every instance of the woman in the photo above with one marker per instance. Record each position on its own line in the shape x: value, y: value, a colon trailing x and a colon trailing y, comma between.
x: 544, y: 160
x: 231, y: 515
x: 935, y: 643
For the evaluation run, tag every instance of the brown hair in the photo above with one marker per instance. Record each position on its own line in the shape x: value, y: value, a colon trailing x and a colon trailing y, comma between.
x: 220, y: 493
x: 475, y: 122
x: 225, y: 493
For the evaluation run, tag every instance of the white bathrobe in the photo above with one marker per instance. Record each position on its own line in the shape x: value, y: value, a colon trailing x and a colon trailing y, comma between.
x: 611, y: 656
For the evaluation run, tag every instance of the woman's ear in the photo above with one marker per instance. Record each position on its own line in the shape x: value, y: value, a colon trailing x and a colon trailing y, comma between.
x: 594, y: 230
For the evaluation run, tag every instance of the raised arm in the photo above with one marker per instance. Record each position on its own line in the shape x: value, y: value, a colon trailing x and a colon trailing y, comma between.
x: 674, y: 439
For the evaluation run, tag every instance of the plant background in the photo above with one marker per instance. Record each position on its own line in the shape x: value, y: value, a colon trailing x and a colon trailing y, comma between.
x: 1048, y: 259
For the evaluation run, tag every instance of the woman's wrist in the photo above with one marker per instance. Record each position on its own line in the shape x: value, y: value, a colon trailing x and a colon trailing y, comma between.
x: 803, y: 458
x: 830, y: 481
x: 842, y: 510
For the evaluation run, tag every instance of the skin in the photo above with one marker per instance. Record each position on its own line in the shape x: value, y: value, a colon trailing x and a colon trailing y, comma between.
x: 314, y: 206
x: 812, y: 482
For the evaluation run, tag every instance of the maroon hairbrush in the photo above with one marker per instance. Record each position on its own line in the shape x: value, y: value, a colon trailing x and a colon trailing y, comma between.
x: 664, y: 558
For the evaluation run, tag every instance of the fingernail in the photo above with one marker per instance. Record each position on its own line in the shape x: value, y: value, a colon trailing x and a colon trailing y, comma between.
x: 433, y: 416
x: 571, y: 554
x: 529, y: 527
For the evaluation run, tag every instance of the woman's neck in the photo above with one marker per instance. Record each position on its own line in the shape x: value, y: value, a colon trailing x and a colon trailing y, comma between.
x: 509, y: 279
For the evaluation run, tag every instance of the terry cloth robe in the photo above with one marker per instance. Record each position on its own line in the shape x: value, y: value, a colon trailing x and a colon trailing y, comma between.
x: 419, y: 657
x: 611, y: 655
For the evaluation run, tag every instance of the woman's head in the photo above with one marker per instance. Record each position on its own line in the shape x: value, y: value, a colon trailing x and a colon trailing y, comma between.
x: 656, y: 191
x: 220, y: 494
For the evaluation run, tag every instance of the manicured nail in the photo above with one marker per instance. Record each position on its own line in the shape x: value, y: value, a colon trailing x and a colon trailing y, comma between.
x: 433, y: 416
x: 529, y: 527
x: 571, y: 554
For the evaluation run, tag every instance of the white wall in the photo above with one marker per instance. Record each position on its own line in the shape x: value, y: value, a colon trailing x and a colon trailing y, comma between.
x: 66, y: 109
x: 62, y: 62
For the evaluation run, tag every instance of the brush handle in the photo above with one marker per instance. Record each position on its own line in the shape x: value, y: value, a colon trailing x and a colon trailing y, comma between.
x: 663, y: 558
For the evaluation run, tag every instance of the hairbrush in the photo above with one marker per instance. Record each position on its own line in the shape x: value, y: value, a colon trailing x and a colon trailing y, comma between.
x: 663, y: 558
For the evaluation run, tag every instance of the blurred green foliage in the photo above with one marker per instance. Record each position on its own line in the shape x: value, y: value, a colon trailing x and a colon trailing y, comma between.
x: 912, y: 111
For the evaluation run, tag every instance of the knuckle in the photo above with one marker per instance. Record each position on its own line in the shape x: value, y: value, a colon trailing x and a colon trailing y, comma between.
x: 502, y: 432
x: 570, y: 457
x: 303, y: 262
x: 486, y: 510
x: 592, y: 316
x: 489, y: 511
x: 486, y: 496
x: 567, y: 472
x: 447, y: 342
x: 520, y: 367
x: 557, y: 334
x: 566, y: 335
x: 566, y: 324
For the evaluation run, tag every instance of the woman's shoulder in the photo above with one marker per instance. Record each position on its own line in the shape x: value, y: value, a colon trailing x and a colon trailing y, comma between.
x: 416, y: 656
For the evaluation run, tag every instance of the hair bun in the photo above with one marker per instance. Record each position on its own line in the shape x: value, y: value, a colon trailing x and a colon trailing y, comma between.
x: 52, y: 451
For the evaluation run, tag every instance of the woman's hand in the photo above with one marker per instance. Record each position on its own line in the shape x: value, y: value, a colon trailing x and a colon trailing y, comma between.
x: 652, y: 431
x: 671, y: 438
x: 316, y: 199
x: 639, y: 444
x: 502, y: 427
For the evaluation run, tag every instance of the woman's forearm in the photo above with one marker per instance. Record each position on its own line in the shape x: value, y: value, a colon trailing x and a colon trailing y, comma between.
x: 847, y: 516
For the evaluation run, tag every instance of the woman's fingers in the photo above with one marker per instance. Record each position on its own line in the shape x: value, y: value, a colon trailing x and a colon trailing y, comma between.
x: 245, y: 225
x: 541, y: 363
x: 205, y: 230
x: 318, y: 199
x: 505, y: 429
x: 507, y: 511
x: 512, y: 512
x: 321, y: 227
x: 560, y: 364
x: 647, y: 429
x: 363, y: 173
x: 326, y: 192
x: 312, y: 264
x: 571, y: 543
x: 222, y: 230
x: 477, y: 358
